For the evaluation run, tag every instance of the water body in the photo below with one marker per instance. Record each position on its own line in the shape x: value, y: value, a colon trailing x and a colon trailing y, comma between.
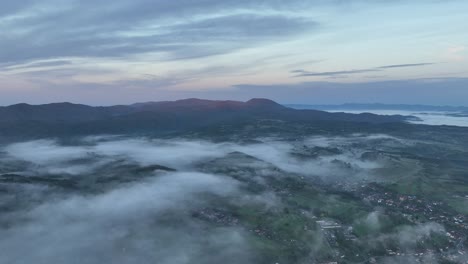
x: 435, y: 118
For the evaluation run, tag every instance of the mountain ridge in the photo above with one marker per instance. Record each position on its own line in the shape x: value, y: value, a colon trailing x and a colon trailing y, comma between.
x: 181, y: 115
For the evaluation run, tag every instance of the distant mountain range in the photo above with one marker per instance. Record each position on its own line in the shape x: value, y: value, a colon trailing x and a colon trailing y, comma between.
x: 182, y: 115
x: 407, y: 107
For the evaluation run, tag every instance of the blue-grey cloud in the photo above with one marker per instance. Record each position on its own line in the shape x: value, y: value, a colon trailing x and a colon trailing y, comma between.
x: 34, y: 65
x: 406, y: 65
x: 11, y: 7
x: 176, y: 29
x: 304, y: 73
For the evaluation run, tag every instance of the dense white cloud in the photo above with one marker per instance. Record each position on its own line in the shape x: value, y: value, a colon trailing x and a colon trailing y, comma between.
x: 184, y: 154
x: 151, y: 217
x: 115, y: 226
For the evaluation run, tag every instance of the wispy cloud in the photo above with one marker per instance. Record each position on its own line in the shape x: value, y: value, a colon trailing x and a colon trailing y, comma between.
x: 405, y: 65
x: 304, y: 73
x: 175, y: 30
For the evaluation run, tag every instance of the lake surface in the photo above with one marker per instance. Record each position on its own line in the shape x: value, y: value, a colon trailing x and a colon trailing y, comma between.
x: 427, y: 117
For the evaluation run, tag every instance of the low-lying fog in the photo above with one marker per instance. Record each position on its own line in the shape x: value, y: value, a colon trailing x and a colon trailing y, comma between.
x: 312, y: 156
x: 148, y: 217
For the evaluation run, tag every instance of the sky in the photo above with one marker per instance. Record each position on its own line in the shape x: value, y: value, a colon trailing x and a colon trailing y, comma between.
x: 308, y: 52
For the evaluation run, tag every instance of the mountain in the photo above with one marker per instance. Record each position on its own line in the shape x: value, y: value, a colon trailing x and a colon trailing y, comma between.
x: 58, y: 112
x: 166, y: 116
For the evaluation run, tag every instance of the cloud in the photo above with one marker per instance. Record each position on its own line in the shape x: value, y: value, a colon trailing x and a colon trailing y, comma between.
x: 304, y: 73
x: 187, y: 29
x: 57, y: 158
x: 11, y: 7
x: 404, y: 65
x: 125, y: 225
x: 47, y: 65
x: 50, y: 151
x: 38, y: 64
x: 409, y: 236
x: 89, y: 52
x: 128, y: 216
x: 97, y: 152
x: 455, y: 53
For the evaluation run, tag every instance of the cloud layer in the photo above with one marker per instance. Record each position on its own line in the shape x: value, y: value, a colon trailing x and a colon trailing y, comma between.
x: 139, y: 200
x: 49, y: 29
